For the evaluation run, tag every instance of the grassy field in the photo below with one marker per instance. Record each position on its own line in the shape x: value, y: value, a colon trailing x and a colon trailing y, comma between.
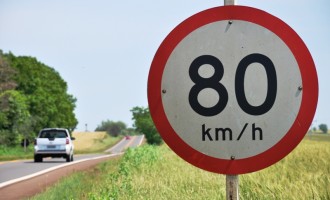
x: 157, y: 173
x: 91, y: 142
x: 86, y: 142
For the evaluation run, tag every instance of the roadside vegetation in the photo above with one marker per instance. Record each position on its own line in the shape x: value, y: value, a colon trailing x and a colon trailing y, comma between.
x: 15, y: 153
x: 143, y: 124
x: 93, y: 142
x: 152, y: 172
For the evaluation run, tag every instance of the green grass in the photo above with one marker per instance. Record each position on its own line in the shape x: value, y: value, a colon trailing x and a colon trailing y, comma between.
x: 81, y: 185
x: 157, y: 173
x: 14, y: 153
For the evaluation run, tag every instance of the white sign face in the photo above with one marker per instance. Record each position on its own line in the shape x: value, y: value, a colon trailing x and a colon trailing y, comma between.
x: 231, y: 89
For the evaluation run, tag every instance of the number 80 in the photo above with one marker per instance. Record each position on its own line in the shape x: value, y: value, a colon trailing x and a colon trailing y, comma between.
x: 213, y: 82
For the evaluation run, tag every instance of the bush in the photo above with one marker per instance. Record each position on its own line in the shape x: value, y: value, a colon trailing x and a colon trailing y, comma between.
x: 112, y: 128
x: 323, y: 128
x: 144, y: 124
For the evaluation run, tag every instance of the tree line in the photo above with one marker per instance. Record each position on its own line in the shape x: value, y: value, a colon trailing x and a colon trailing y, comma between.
x: 143, y: 124
x: 32, y: 96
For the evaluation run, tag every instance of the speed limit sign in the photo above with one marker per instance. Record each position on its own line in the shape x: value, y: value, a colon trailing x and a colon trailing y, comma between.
x: 232, y: 89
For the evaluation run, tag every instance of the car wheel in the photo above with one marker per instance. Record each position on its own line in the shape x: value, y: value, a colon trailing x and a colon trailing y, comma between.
x: 68, y: 158
x: 37, y: 158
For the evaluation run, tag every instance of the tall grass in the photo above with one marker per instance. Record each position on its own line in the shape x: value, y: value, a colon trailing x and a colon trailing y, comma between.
x: 93, y: 142
x: 107, y: 181
x: 304, y: 174
x: 13, y: 153
x: 157, y: 173
x: 80, y: 185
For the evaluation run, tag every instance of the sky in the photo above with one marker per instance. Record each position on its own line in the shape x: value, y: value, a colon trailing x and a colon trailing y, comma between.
x: 103, y: 48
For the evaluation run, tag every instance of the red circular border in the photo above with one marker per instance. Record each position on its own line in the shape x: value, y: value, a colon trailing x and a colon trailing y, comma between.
x: 297, y: 130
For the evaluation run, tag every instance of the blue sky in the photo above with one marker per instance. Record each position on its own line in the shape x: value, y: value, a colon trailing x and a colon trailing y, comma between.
x: 103, y: 48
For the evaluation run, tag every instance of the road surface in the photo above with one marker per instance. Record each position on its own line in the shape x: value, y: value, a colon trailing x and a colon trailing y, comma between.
x: 14, y: 172
x: 131, y: 141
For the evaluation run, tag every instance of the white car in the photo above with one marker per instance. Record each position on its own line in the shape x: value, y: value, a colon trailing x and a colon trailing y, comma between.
x: 53, y: 142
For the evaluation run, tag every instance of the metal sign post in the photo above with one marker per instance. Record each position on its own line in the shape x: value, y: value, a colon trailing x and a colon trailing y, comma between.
x: 232, y: 184
x: 229, y: 2
x: 232, y: 187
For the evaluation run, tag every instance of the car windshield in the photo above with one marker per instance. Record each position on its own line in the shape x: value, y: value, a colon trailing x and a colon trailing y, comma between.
x: 53, y: 134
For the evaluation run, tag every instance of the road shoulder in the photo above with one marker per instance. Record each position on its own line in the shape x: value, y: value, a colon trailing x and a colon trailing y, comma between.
x: 39, y: 183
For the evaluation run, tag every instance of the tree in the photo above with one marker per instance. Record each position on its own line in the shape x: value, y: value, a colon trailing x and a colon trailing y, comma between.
x: 48, y: 101
x: 6, y: 75
x: 112, y: 128
x: 129, y: 131
x: 323, y: 128
x: 14, y: 117
x: 32, y: 96
x: 144, y: 124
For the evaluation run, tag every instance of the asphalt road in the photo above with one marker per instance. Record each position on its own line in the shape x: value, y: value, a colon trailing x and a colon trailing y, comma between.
x: 133, y: 141
x: 14, y: 171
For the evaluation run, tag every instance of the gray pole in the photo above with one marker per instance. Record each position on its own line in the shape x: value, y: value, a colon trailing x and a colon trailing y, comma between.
x: 229, y: 2
x: 232, y: 185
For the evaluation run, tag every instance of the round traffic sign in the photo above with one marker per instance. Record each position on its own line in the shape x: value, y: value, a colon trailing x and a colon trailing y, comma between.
x: 232, y: 89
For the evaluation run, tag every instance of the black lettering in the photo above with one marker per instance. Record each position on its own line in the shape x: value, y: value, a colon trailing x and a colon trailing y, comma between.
x: 226, y: 134
x: 254, y: 130
x: 211, y: 82
x: 271, y: 80
x: 223, y: 131
x: 240, y: 135
x: 206, y: 133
